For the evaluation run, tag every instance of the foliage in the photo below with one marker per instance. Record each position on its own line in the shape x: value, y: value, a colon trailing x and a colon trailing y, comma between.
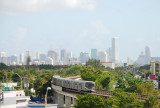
x: 6, y: 75
x: 89, y: 101
x: 90, y: 74
x: 105, y: 81
x: 96, y: 64
x: 3, y: 66
x: 152, y: 102
x: 140, y: 86
x: 145, y: 67
x: 119, y: 99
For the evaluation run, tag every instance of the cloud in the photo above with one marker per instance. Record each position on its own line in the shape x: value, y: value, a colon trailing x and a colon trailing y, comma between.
x: 95, y: 35
x: 13, y: 7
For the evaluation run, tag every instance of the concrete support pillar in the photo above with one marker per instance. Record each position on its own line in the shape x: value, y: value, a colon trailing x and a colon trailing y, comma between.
x: 60, y: 101
x: 74, y: 101
x: 67, y: 102
x: 55, y: 98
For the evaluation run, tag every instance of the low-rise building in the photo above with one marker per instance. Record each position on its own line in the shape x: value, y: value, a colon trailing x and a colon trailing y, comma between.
x: 108, y: 64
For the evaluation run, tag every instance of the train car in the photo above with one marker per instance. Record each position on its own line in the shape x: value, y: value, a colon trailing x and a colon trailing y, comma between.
x: 78, y: 85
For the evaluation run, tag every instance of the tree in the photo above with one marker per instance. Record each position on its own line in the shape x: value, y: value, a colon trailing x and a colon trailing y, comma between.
x: 140, y: 86
x: 105, y: 81
x: 3, y: 66
x: 96, y: 64
x: 90, y: 74
x: 152, y: 102
x: 121, y: 99
x: 89, y: 101
x: 28, y: 60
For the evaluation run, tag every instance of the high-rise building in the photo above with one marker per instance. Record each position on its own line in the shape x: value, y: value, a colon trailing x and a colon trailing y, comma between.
x: 9, y: 61
x: 37, y: 55
x: 69, y: 55
x: 147, y: 55
x: 4, y: 60
x: 54, y: 55
x: 29, y: 54
x: 63, y: 55
x: 115, y: 50
x: 102, y: 56
x: 2, y: 54
x: 109, y: 53
x: 22, y: 58
x: 42, y: 57
x: 14, y: 59
x: 84, y: 56
x: 141, y: 59
x: 94, y: 54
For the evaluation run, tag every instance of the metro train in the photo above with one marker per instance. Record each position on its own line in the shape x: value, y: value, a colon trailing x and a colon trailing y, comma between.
x: 78, y: 85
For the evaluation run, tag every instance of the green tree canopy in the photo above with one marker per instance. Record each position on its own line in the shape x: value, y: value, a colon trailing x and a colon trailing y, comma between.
x: 89, y: 101
x: 96, y: 64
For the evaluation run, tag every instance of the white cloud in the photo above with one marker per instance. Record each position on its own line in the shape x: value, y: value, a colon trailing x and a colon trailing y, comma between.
x: 12, y: 7
x: 95, y: 35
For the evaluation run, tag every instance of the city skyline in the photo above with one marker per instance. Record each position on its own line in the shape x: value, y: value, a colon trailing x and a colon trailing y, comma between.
x: 80, y: 26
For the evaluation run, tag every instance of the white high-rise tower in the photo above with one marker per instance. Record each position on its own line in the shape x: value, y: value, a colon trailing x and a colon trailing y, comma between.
x: 147, y: 55
x: 115, y: 50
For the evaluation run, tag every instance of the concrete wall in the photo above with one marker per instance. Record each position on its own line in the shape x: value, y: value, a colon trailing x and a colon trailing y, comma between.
x: 9, y: 100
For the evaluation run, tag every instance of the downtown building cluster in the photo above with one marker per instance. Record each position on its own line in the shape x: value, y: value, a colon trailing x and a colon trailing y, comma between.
x: 109, y: 57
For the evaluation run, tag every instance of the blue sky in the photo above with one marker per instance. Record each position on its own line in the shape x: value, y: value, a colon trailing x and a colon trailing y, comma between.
x: 79, y: 25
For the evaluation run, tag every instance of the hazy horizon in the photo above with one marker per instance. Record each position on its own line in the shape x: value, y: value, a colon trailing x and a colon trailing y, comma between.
x: 79, y: 26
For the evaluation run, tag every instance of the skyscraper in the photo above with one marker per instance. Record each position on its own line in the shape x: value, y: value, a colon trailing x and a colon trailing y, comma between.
x: 84, y: 56
x: 94, y: 53
x: 147, y: 55
x: 109, y: 53
x: 29, y: 54
x: 102, y: 56
x: 22, y: 58
x: 141, y: 59
x: 115, y: 50
x: 38, y: 55
x: 14, y: 59
x: 63, y: 55
x: 54, y: 55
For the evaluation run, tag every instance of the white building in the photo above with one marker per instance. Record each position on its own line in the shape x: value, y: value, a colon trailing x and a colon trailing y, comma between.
x: 49, y: 61
x: 102, y: 56
x: 3, y: 57
x: 115, y: 50
x: 141, y: 59
x: 22, y: 58
x: 147, y: 55
x: 38, y: 55
x: 108, y: 64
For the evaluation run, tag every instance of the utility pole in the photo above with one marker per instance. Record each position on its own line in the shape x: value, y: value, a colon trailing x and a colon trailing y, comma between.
x: 26, y: 85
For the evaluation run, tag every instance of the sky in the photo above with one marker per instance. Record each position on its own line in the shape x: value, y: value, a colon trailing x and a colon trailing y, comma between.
x: 80, y: 25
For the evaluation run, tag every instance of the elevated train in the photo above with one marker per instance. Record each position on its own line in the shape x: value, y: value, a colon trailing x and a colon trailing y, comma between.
x: 78, y: 85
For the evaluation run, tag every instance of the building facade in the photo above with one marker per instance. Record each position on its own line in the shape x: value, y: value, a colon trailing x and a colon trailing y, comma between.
x: 115, y: 50
x: 94, y: 54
